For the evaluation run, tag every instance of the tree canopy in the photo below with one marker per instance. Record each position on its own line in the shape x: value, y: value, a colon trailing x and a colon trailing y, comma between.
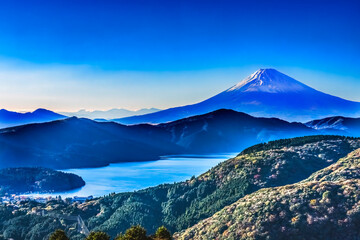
x: 58, y: 235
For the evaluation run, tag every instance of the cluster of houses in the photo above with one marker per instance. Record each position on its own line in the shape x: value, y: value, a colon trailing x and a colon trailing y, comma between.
x: 15, y: 199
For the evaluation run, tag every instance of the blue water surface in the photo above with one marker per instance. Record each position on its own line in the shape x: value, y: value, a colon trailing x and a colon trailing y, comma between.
x: 125, y: 177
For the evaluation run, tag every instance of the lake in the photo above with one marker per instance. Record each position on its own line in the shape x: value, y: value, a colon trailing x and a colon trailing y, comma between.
x: 125, y: 177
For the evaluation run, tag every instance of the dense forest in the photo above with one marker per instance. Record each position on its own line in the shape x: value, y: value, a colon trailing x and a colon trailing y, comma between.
x: 290, y: 142
x: 39, y: 180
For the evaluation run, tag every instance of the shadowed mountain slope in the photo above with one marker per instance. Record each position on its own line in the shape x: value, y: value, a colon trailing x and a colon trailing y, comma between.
x: 74, y: 142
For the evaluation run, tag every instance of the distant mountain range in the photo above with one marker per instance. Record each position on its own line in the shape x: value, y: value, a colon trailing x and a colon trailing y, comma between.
x: 10, y: 119
x: 76, y: 143
x: 109, y: 114
x: 266, y: 93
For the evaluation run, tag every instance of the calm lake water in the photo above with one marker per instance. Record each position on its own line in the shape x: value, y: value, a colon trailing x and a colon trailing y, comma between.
x: 125, y: 177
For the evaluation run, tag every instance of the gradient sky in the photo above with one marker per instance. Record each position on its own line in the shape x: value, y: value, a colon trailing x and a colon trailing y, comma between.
x: 69, y: 55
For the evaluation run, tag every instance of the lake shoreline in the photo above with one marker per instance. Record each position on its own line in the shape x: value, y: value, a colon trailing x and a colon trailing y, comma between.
x: 134, y: 176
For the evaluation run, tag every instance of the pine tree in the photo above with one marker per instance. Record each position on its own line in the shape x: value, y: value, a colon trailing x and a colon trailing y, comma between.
x: 98, y: 236
x: 133, y: 233
x: 162, y: 234
x: 58, y: 235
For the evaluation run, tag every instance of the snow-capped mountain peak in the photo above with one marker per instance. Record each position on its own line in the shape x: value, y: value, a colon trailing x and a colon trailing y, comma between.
x: 268, y: 80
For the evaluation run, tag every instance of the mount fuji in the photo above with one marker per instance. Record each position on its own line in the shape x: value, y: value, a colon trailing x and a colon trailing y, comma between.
x: 266, y: 93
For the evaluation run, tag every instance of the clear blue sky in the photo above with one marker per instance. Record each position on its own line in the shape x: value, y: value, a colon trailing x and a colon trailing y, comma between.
x: 66, y: 54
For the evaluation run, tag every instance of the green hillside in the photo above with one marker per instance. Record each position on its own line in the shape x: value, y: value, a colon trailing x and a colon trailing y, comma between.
x: 324, y: 206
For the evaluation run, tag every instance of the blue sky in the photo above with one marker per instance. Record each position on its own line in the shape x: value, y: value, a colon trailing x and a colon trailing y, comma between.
x: 67, y: 55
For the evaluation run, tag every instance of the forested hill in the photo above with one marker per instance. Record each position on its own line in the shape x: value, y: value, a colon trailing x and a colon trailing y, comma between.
x: 38, y: 180
x: 324, y: 206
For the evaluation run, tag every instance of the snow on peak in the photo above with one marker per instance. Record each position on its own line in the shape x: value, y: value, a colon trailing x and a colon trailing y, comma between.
x: 268, y: 80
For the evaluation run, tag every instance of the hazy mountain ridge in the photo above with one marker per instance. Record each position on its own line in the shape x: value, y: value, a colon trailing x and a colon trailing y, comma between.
x: 10, y: 119
x: 109, y: 114
x: 266, y: 93
x: 40, y: 115
x: 87, y: 143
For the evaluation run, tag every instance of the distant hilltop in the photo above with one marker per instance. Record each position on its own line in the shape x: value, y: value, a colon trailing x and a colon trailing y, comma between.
x: 10, y: 118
